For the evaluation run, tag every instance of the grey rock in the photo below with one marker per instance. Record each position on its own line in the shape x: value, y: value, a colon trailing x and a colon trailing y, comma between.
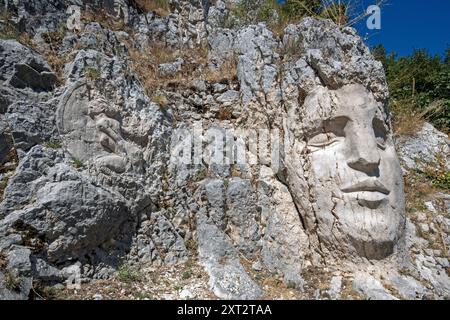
x: 335, y: 287
x: 24, y: 68
x: 229, y: 98
x: 186, y: 294
x: 200, y: 85
x: 97, y: 296
x: 45, y: 194
x: 46, y: 272
x: 243, y: 216
x: 31, y: 123
x: 228, y: 279
x: 172, y: 67
x: 370, y: 288
x: 165, y: 240
x: 408, y: 287
x: 6, y: 143
x: 423, y: 147
x: 15, y: 279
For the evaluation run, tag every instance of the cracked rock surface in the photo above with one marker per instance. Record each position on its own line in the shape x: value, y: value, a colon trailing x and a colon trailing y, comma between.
x: 99, y: 170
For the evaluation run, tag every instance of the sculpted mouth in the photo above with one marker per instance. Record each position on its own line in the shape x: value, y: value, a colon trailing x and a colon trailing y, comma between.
x: 369, y: 185
x: 369, y: 193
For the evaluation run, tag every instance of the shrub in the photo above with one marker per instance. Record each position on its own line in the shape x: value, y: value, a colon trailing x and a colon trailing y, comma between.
x: 338, y: 12
x: 127, y: 274
x: 419, y: 86
x: 277, y: 16
x: 227, y: 72
x: 12, y: 282
x: 3, y: 260
x: 224, y: 113
x: 92, y: 73
x: 53, y: 144
x: 437, y: 172
x: 186, y: 274
x: 77, y: 163
x: 160, y: 99
x: 145, y: 64
x: 7, y: 32
x: 191, y: 245
x: 201, y: 175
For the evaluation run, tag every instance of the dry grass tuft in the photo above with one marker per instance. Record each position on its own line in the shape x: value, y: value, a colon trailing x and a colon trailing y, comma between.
x: 106, y: 20
x: 224, y: 114
x: 3, y: 260
x: 405, y: 122
x: 227, y: 72
x: 9, y: 31
x: 160, y: 99
x: 160, y: 7
x: 12, y: 282
x: 146, y: 66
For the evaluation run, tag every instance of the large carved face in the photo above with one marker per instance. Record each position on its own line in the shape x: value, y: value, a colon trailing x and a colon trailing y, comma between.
x: 354, y: 174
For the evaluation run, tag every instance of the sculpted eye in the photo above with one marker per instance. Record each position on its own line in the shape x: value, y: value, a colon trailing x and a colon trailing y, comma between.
x: 331, y: 132
x: 322, y: 140
x: 380, y: 132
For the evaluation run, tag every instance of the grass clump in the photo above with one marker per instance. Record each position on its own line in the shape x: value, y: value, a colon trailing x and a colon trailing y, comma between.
x: 160, y: 7
x: 8, y: 30
x: 53, y: 144
x: 278, y: 15
x: 3, y: 185
x: 201, y: 175
x: 3, y: 260
x: 12, y: 282
x: 160, y: 99
x: 227, y: 72
x: 77, y: 163
x: 187, y: 274
x: 191, y: 245
x: 145, y: 64
x: 224, y: 113
x: 92, y: 73
x: 127, y: 274
x: 437, y: 173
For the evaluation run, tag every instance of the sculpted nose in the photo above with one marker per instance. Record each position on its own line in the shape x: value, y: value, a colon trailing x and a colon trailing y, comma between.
x: 363, y: 153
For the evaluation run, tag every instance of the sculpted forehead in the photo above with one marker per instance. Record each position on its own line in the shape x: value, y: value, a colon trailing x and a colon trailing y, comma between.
x: 354, y: 96
x: 352, y: 101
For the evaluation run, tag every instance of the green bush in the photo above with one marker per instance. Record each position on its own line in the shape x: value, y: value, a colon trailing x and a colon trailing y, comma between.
x: 127, y: 274
x: 277, y: 15
x: 92, y: 73
x: 53, y: 144
x: 270, y: 11
x: 77, y: 163
x: 419, y: 81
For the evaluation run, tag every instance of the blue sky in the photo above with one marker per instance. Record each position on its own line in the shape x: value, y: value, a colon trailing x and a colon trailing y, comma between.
x: 409, y: 24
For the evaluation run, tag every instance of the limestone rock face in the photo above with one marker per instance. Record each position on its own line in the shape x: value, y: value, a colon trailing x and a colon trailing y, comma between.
x: 426, y: 146
x: 170, y: 139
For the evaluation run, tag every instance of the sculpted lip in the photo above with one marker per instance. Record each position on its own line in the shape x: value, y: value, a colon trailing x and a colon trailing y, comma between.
x: 371, y: 185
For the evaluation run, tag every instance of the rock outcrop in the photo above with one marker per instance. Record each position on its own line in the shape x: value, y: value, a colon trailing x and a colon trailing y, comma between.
x: 160, y: 139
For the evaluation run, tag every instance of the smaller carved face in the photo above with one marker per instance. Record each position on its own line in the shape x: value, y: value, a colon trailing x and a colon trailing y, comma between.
x: 92, y: 133
x: 356, y: 173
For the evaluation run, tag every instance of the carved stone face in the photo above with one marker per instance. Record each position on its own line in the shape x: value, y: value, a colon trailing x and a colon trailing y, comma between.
x: 92, y: 133
x: 357, y: 188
